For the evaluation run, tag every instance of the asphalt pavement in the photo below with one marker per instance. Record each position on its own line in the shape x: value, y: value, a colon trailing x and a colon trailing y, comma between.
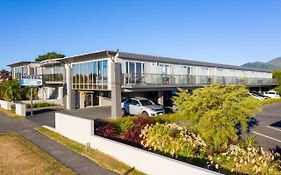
x: 268, y: 127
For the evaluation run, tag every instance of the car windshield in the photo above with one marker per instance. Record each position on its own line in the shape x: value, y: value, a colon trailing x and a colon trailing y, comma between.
x: 146, y: 102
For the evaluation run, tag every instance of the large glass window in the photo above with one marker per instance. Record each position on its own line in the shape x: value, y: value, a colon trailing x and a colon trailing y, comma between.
x: 90, y: 75
x: 104, y: 74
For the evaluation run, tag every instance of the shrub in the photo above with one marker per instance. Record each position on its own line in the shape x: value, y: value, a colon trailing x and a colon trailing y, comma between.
x: 124, y: 124
x: 108, y: 130
x: 250, y: 141
x: 173, y: 140
x: 252, y: 160
x: 143, y: 121
x: 168, y: 118
x: 13, y: 107
x: 40, y: 105
x: 133, y: 133
x: 270, y: 101
x: 215, y: 111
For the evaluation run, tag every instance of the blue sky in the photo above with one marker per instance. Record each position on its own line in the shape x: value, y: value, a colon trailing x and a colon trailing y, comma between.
x: 222, y: 31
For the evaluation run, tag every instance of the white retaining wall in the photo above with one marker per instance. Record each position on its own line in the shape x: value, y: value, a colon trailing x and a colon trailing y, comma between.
x: 6, y: 105
x: 20, y: 109
x: 78, y: 129
x: 82, y: 130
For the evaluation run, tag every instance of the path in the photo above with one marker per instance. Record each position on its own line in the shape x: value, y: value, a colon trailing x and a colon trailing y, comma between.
x: 76, y: 162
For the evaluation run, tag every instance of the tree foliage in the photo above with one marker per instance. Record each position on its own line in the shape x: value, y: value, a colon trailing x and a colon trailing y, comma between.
x: 49, y: 56
x: 215, y: 111
x: 277, y: 75
x: 11, y: 90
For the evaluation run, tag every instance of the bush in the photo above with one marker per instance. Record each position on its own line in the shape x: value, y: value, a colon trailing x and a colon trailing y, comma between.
x: 173, y: 140
x: 252, y: 160
x: 215, y: 111
x: 108, y: 130
x: 40, y: 105
x: 270, y: 101
x: 124, y: 124
x: 168, y: 118
x: 133, y: 133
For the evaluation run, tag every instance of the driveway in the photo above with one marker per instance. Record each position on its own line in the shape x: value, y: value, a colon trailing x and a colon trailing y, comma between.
x: 47, y: 116
x: 268, y: 128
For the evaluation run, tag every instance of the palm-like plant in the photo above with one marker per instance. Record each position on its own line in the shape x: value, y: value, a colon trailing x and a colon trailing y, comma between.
x: 11, y: 91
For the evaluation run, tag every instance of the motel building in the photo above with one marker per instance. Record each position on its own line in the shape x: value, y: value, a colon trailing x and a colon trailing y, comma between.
x: 104, y: 78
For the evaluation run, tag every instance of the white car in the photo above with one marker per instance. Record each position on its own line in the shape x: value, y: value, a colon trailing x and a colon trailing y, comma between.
x: 256, y: 96
x: 140, y: 105
x: 271, y: 94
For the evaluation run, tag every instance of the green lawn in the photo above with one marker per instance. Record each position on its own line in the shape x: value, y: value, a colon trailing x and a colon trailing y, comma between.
x: 20, y: 157
x: 100, y: 158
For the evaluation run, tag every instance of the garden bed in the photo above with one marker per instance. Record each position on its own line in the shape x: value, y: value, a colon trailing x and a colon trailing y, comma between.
x: 177, y: 142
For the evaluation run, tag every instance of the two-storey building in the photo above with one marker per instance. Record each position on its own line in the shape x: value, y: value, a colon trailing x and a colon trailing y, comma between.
x: 94, y: 78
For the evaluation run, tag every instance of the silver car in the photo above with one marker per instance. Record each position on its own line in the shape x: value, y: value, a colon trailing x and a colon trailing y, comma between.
x: 140, y: 105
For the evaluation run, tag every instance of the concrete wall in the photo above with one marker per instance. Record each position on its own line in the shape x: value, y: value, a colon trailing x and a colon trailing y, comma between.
x: 6, y: 105
x: 75, y: 128
x: 81, y: 130
x: 20, y: 109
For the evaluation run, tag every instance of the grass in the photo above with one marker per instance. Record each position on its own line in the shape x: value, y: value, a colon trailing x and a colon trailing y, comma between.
x: 20, y: 157
x: 100, y: 158
x: 10, y: 114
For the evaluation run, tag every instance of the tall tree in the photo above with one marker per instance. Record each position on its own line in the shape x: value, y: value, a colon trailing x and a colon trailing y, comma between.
x: 49, y: 56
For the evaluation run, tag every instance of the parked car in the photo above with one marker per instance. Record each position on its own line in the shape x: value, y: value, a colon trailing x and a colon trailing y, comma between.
x: 140, y: 105
x: 256, y: 96
x: 271, y: 94
x: 260, y: 94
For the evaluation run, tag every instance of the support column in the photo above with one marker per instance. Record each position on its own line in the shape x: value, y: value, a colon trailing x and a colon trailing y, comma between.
x: 115, y: 90
x: 82, y: 100
x: 60, y: 94
x: 70, y: 100
x: 160, y: 99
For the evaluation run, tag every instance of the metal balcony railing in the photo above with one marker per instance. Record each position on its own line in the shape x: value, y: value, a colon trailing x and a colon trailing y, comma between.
x: 170, y: 79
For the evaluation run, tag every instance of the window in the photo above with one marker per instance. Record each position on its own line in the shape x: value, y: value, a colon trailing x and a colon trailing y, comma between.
x: 90, y: 75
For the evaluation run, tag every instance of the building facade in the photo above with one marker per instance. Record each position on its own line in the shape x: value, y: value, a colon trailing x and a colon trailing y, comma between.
x: 94, y: 78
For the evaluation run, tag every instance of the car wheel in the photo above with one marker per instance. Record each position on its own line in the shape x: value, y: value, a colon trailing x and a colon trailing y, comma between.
x: 144, y: 113
x: 124, y: 112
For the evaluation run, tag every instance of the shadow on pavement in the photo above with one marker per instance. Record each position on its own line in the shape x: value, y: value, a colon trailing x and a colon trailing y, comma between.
x: 276, y: 124
x: 39, y: 111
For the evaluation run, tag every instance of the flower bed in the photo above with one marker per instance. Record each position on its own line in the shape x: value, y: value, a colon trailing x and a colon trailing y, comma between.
x: 178, y: 142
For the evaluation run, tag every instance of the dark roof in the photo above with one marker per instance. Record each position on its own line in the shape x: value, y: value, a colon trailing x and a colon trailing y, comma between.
x: 108, y: 53
x: 20, y: 63
x: 182, y: 61
x: 142, y: 57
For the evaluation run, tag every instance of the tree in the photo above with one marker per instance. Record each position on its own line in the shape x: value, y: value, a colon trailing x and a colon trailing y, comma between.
x: 49, y: 56
x: 277, y: 76
x: 215, y: 111
x: 10, y: 90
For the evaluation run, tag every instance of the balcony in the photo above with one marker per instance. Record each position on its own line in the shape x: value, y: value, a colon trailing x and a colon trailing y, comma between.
x: 53, y: 78
x: 138, y: 80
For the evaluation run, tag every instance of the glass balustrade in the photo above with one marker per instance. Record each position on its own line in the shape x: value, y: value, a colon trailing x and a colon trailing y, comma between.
x: 170, y: 79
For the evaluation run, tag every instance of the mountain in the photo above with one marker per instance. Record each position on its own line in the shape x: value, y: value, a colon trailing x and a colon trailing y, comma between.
x: 271, y: 65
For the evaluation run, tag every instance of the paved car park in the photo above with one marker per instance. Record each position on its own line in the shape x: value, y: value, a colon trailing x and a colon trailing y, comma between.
x: 268, y: 127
